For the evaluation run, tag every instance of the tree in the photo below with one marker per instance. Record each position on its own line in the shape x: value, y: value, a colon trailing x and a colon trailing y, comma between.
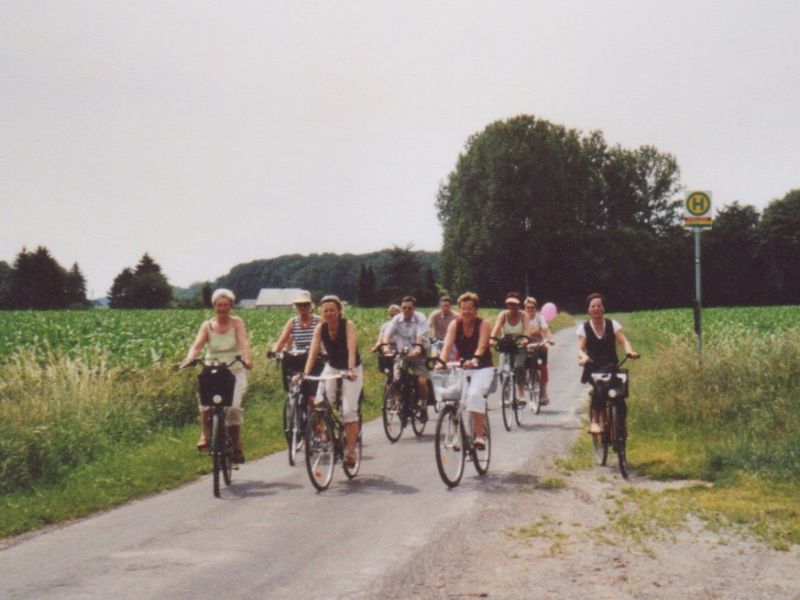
x: 365, y: 290
x: 401, y: 275
x: 75, y: 288
x: 529, y: 200
x: 144, y: 287
x: 37, y: 281
x: 731, y: 269
x: 779, y: 231
x: 5, y: 278
x: 206, y: 292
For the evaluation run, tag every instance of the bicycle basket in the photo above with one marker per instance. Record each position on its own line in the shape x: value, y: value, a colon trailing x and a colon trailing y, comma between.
x: 446, y: 385
x: 507, y: 345
x: 216, y: 385
x: 385, y: 363
x: 293, y: 363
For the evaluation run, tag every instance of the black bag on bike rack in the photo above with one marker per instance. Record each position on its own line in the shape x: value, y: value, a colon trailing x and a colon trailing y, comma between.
x: 216, y: 381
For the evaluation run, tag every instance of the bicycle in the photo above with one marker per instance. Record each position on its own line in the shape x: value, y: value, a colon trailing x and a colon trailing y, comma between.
x: 513, y: 347
x: 216, y: 383
x: 455, y: 433
x: 401, y: 399
x: 611, y: 382
x: 295, y: 404
x: 533, y: 367
x: 325, y: 436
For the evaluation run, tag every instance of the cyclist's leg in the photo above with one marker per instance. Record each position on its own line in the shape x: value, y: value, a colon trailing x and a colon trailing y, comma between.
x: 596, y: 410
x: 234, y: 417
x: 544, y: 375
x: 351, y: 391
x: 476, y: 389
x: 205, y: 428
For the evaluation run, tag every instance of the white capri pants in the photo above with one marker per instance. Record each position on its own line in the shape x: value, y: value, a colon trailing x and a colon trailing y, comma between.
x: 475, y: 387
x: 351, y: 391
x: 234, y: 414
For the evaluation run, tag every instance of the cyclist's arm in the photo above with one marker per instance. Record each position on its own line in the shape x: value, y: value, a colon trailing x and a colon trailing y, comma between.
x: 498, y: 325
x: 352, y: 345
x: 583, y: 358
x: 244, y: 342
x: 283, y: 341
x: 623, y: 341
x: 313, y: 350
x: 197, y: 346
x: 449, y: 340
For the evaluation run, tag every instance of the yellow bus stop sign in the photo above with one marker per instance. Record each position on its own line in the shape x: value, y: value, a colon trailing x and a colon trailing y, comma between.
x: 698, y: 204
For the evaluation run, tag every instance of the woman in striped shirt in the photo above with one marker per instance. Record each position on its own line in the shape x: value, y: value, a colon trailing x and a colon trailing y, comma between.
x: 296, y: 337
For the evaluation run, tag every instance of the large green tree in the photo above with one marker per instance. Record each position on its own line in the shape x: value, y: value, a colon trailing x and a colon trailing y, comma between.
x: 779, y: 231
x: 143, y: 287
x: 538, y: 207
x: 37, y: 281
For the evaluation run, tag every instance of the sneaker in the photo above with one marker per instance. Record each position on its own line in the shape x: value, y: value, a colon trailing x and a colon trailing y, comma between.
x: 595, y: 428
x: 480, y: 443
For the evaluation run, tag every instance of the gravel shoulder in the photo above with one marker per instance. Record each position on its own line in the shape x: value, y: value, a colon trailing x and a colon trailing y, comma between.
x: 527, y: 538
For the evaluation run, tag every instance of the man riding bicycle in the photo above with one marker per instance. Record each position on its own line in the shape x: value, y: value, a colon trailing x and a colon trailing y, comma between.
x: 597, y: 347
x: 406, y: 329
x: 438, y: 322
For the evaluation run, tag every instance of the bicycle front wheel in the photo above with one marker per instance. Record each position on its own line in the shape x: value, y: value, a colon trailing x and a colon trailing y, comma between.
x: 392, y: 412
x: 619, y: 439
x: 320, y: 450
x: 535, y: 390
x: 419, y: 415
x: 507, y: 402
x: 450, y: 446
x: 481, y: 457
x: 217, y: 451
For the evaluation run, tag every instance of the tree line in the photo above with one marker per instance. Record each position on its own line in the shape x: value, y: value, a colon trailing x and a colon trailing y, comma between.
x: 537, y: 207
x: 36, y: 280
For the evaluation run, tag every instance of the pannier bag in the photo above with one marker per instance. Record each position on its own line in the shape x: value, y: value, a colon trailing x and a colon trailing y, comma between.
x: 216, y: 385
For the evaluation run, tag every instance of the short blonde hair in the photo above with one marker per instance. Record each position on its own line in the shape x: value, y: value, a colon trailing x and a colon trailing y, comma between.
x: 469, y: 297
x: 393, y: 307
x: 531, y: 300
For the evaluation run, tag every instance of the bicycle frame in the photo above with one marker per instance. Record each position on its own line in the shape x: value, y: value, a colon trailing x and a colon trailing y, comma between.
x: 611, y: 386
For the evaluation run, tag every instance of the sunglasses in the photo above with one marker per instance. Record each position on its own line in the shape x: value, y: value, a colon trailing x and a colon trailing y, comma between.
x: 303, y: 304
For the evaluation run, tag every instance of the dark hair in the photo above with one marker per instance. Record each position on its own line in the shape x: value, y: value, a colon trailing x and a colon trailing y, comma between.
x: 513, y: 295
x: 409, y: 299
x: 593, y: 296
x: 443, y: 298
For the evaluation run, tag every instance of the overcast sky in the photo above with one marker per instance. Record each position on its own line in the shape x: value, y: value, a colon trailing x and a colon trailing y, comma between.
x: 214, y: 133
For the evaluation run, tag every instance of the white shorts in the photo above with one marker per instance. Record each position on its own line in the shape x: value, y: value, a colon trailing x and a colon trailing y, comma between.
x: 475, y: 388
x: 351, y: 391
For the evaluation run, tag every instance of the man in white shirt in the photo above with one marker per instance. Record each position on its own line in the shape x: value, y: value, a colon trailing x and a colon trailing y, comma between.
x: 406, y: 329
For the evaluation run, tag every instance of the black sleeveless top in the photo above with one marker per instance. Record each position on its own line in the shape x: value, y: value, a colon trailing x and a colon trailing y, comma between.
x: 337, y: 349
x: 467, y: 346
x: 602, y: 351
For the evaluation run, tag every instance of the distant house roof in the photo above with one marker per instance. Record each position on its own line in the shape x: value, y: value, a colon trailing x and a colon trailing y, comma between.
x: 277, y: 296
x: 247, y: 303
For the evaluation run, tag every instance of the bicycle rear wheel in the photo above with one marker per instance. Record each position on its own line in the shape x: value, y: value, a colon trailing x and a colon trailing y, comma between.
x: 507, y: 401
x: 450, y: 446
x: 481, y: 457
x: 320, y: 450
x: 392, y: 412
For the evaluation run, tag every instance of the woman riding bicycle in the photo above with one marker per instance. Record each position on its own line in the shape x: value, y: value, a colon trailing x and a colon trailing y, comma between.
x: 469, y: 334
x: 339, y: 339
x: 514, y: 323
x: 540, y: 332
x: 597, y: 348
x: 225, y: 337
x: 297, y: 335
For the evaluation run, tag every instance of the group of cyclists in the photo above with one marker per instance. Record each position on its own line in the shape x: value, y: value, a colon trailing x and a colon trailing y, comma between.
x: 448, y: 335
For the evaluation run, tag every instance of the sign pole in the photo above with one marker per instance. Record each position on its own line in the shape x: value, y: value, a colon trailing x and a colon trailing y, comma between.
x: 697, y: 216
x: 698, y: 302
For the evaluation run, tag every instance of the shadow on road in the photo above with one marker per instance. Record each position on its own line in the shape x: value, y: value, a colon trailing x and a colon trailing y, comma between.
x: 365, y: 484
x: 250, y: 489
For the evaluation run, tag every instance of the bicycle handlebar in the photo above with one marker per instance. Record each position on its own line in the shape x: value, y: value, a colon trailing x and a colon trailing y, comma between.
x: 215, y: 363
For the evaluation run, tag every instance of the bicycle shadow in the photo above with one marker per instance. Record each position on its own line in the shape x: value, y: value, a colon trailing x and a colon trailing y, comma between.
x: 365, y: 484
x: 253, y: 488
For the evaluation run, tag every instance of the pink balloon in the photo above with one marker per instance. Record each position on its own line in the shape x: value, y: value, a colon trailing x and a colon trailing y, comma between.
x: 549, y: 311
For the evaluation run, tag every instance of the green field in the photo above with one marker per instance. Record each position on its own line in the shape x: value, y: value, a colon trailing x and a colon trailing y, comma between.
x: 95, y: 413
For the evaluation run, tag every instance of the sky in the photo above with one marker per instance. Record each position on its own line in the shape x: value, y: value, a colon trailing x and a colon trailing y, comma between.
x: 210, y: 134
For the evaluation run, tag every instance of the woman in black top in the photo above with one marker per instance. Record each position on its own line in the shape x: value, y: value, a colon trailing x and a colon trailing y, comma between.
x: 338, y: 337
x: 597, y: 344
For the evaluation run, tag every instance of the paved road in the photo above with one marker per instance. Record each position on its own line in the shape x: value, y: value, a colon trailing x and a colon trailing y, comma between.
x: 272, y: 535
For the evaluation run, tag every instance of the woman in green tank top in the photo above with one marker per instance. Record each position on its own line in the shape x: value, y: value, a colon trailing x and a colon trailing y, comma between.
x: 513, y: 322
x: 224, y: 337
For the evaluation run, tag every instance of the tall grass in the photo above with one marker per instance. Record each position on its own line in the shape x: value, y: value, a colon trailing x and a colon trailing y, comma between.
x: 738, y: 411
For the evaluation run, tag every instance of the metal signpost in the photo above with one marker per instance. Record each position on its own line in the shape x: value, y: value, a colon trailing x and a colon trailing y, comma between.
x: 697, y: 216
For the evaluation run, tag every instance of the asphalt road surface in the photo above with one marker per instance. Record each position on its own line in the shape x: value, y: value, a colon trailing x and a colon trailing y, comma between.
x: 272, y: 535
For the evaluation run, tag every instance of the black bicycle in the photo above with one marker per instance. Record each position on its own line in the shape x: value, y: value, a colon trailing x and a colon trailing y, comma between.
x: 513, y: 347
x: 216, y: 383
x: 610, y: 382
x: 295, y: 404
x: 533, y: 375
x: 455, y: 436
x: 402, y: 402
x: 325, y: 436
